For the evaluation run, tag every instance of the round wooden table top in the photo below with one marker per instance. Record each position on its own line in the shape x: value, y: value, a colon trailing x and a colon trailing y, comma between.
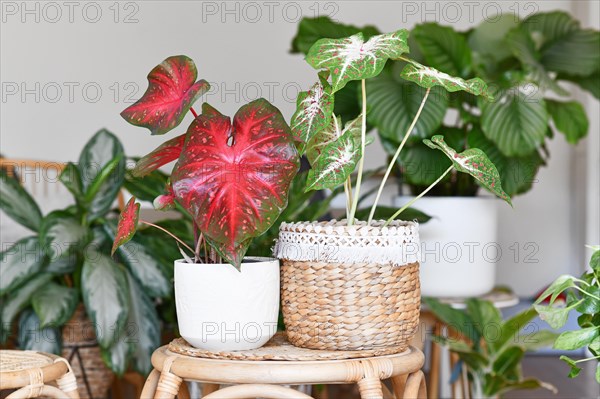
x: 293, y: 372
x: 14, y: 366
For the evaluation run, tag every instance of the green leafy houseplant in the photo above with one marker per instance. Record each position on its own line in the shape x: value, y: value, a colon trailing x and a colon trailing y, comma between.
x: 335, y: 150
x: 45, y: 276
x: 583, y: 297
x: 231, y: 178
x: 488, y: 347
x: 526, y: 61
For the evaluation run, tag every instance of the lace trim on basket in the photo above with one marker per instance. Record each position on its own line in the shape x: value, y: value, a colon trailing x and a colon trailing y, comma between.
x: 335, y: 242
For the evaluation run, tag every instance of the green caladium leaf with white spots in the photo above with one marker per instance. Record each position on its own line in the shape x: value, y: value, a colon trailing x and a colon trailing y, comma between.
x: 335, y: 162
x: 313, y: 111
x: 330, y: 134
x: 352, y: 58
x: 474, y: 162
x: 428, y: 77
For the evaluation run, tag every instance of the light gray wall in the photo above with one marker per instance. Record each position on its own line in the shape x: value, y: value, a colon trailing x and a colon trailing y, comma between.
x: 242, y: 47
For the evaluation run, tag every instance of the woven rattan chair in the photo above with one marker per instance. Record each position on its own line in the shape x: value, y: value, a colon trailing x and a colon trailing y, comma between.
x: 31, y: 372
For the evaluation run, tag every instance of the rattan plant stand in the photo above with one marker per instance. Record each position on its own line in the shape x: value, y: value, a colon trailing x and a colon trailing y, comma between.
x: 31, y: 374
x: 265, y: 372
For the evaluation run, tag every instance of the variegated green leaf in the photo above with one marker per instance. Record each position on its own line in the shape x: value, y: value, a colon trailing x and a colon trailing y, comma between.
x: 335, y: 163
x: 313, y: 111
x: 428, y: 77
x: 330, y: 134
x: 474, y: 162
x: 352, y: 58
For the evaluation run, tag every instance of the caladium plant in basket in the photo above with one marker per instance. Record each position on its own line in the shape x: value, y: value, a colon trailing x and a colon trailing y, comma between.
x: 382, y: 252
x: 232, y: 178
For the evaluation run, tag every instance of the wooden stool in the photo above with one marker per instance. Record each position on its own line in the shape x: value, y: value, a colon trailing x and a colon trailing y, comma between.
x: 261, y: 373
x: 29, y: 372
x: 437, y: 371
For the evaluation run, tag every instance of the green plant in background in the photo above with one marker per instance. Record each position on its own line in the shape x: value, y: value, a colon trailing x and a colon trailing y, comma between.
x: 490, y: 348
x: 528, y: 62
x: 335, y: 149
x: 45, y: 276
x: 583, y: 297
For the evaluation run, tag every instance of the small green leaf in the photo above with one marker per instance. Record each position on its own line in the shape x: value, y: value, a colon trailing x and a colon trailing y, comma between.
x: 454, y: 318
x: 429, y: 77
x: 352, y: 58
x: 571, y: 340
x: 512, y: 326
x: 595, y: 261
x: 569, y: 118
x: 34, y: 337
x: 54, y: 304
x: 484, y: 315
x: 313, y: 111
x: 590, y: 303
x: 575, y: 370
x: 555, y: 317
x: 536, y: 340
x: 19, y: 263
x: 474, y: 162
x: 17, y: 203
x: 598, y: 373
x: 71, y: 178
x: 105, y: 294
x: 97, y: 155
x: 335, y: 163
x: 556, y: 288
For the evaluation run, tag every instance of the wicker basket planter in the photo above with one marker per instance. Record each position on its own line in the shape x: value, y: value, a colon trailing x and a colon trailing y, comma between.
x: 81, y: 349
x: 349, y: 288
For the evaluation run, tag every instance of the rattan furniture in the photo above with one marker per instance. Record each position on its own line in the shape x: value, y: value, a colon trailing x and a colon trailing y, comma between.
x: 31, y: 374
x: 265, y: 372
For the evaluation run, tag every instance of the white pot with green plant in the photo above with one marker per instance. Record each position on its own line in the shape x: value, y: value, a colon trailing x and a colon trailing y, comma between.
x: 232, y: 180
x: 354, y: 284
x: 520, y: 57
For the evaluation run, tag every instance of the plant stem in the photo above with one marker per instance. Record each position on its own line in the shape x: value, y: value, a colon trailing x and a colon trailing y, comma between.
x: 169, y: 233
x: 193, y: 112
x: 395, y: 215
x: 197, y: 252
x: 395, y: 157
x: 586, y: 359
x: 361, y: 162
x: 586, y: 293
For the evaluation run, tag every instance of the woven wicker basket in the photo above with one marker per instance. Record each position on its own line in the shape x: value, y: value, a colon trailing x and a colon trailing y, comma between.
x: 81, y: 349
x: 349, y: 288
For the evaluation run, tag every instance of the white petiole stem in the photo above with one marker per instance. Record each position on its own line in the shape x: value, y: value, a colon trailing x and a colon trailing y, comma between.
x: 393, y: 161
x: 361, y: 162
x: 395, y: 215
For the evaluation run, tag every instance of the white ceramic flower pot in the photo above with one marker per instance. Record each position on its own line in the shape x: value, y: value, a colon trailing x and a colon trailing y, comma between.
x: 222, y: 309
x: 459, y: 249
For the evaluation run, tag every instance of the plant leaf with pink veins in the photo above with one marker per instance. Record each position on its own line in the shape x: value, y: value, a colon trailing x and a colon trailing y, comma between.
x: 474, y: 162
x: 352, y: 58
x: 172, y: 90
x: 128, y: 221
x: 313, y: 111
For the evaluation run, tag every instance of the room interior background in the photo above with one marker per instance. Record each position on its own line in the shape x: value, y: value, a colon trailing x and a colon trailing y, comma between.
x: 58, y: 61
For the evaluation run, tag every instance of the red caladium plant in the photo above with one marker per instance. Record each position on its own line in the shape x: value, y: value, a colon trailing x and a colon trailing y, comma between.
x: 232, y: 177
x: 128, y: 221
x: 172, y: 90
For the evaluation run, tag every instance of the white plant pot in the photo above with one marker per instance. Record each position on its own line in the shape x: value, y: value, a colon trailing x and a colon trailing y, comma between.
x: 459, y: 249
x: 222, y: 309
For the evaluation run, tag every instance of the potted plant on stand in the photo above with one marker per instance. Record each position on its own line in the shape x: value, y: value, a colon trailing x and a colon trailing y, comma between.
x: 232, y: 178
x: 354, y: 284
x: 526, y: 60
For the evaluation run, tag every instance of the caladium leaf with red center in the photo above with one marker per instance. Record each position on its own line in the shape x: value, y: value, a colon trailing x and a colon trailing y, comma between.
x: 313, y: 111
x: 127, y: 226
x: 474, y: 162
x: 172, y: 90
x: 352, y: 58
x: 234, y: 178
x: 167, y: 152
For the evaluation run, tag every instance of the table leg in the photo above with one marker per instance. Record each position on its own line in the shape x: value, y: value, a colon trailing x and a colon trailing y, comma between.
x: 415, y: 386
x: 434, y: 365
x: 370, y: 388
x: 150, y: 386
x: 399, y: 383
